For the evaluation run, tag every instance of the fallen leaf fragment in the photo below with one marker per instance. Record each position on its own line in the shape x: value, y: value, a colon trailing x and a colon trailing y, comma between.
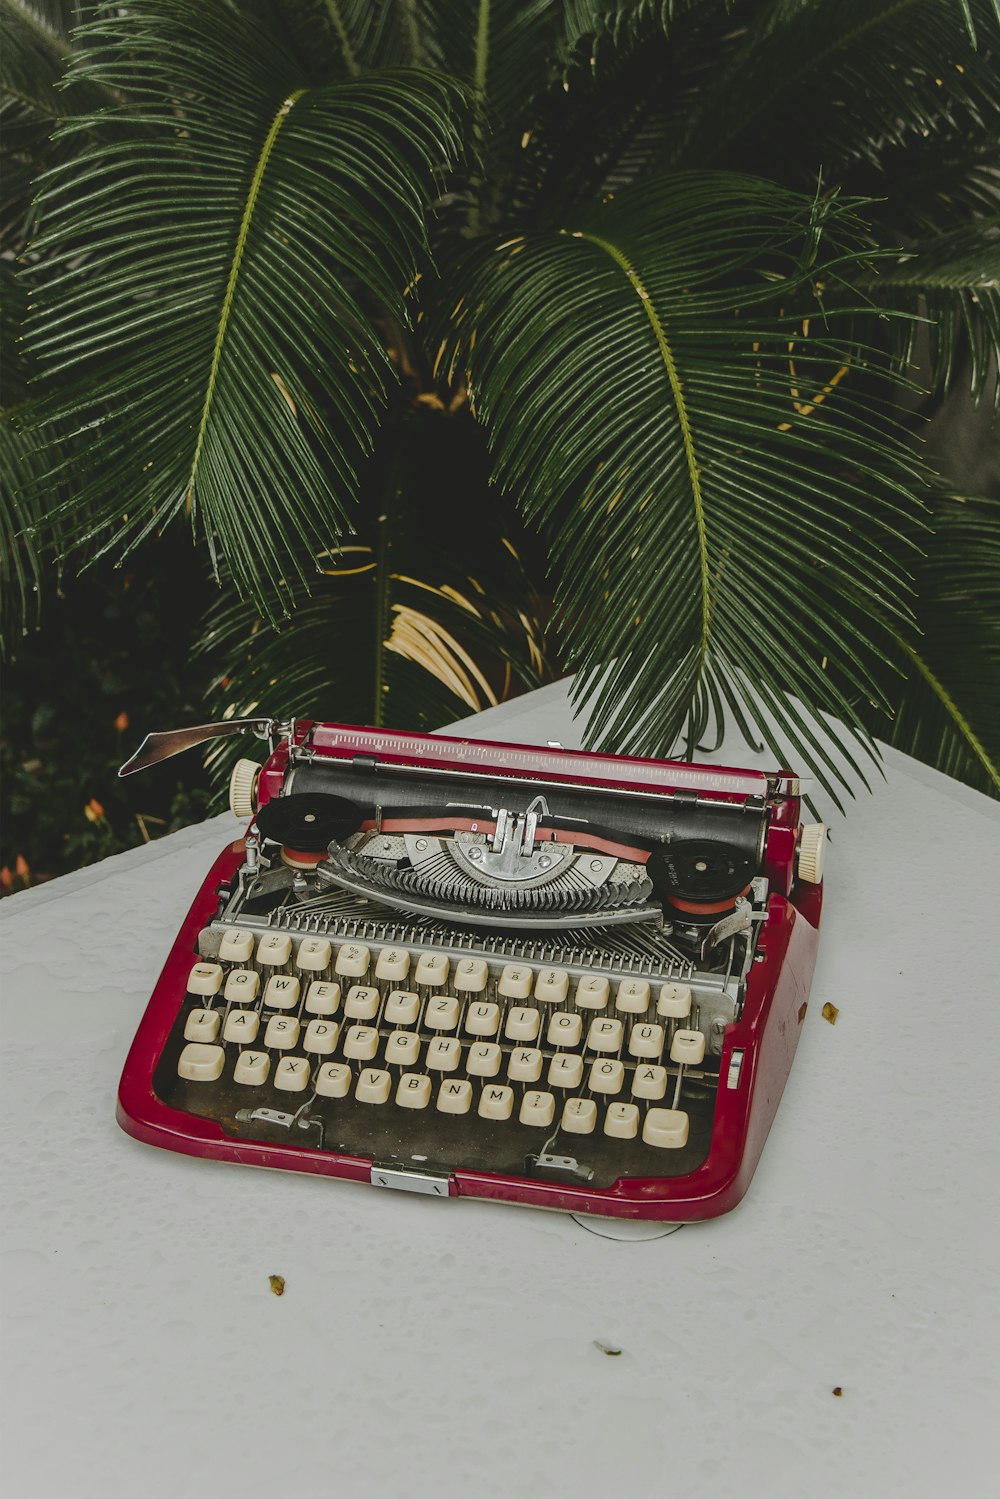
x: 838, y: 1389
x: 830, y: 1012
x: 277, y: 1284
x: 607, y: 1348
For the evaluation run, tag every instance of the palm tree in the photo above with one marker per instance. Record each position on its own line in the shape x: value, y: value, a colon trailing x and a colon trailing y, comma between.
x: 479, y: 340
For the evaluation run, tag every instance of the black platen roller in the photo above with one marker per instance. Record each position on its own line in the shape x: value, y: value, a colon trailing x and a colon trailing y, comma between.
x: 309, y: 820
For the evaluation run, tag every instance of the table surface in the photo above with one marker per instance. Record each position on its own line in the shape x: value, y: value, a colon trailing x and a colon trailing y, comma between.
x: 441, y: 1348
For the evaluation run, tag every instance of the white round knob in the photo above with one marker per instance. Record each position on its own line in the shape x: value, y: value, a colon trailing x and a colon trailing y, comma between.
x: 243, y: 788
x: 812, y: 846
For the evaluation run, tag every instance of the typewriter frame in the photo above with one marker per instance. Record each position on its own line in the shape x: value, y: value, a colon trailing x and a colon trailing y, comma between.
x: 767, y: 1032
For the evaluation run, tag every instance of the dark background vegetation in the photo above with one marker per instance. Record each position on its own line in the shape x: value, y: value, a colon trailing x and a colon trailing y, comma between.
x: 121, y: 650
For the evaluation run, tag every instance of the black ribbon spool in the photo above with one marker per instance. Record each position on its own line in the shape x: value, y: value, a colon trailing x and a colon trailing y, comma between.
x: 698, y: 869
x: 309, y: 820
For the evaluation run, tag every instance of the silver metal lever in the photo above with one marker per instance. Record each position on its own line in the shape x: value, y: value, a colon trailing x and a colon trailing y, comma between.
x: 157, y: 747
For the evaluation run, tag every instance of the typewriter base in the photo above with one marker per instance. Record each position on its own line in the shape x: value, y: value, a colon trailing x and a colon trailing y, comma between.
x: 706, y: 1178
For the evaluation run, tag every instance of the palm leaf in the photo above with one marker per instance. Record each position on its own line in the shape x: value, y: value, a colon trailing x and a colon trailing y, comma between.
x: 210, y: 280
x: 661, y: 387
x: 411, y: 649
x: 32, y: 102
x: 808, y: 83
x: 945, y: 705
x: 953, y: 281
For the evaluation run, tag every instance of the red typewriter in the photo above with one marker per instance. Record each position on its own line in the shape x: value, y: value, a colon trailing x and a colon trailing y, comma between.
x: 469, y: 969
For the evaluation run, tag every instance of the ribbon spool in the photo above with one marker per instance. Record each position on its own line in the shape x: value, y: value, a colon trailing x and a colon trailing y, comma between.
x: 305, y: 823
x: 700, y: 877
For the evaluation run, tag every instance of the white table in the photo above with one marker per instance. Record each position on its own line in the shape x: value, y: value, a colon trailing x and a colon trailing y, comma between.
x: 451, y: 1348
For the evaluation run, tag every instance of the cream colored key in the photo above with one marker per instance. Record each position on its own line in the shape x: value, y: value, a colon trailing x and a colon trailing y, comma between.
x: 252, y: 1068
x: 552, y: 985
x: 236, y: 946
x: 292, y: 1075
x: 604, y: 1035
x: 688, y: 1048
x: 241, y: 1025
x: 202, y: 1025
x: 353, y: 961
x: 496, y: 1102
x: 362, y: 1002
x: 646, y: 1040
x: 515, y: 981
x: 321, y: 1037
x: 592, y: 993
x: 674, y: 1001
x: 471, y: 977
x: 413, y: 1091
x: 565, y: 1028
x: 282, y: 1032
x: 667, y: 1128
x: 199, y: 1063
x: 333, y: 1080
x: 441, y: 1013
x: 606, y: 1076
x: 522, y: 1024
x: 432, y: 969
x: 483, y: 1059
x: 242, y: 986
x: 274, y: 949
x: 322, y: 998
x: 632, y: 997
x: 565, y: 1070
x: 525, y: 1064
x: 205, y: 978
x: 579, y: 1116
x: 538, y: 1109
x: 455, y: 1096
x: 402, y: 1050
x: 482, y: 1019
x: 392, y: 964
x: 402, y: 1007
x: 444, y: 1053
x: 361, y: 1042
x: 281, y: 992
x: 374, y: 1085
x: 649, y: 1081
x: 314, y: 954
x: 622, y: 1121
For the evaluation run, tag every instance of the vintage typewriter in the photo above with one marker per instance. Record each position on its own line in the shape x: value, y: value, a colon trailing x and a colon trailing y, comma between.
x: 550, y: 977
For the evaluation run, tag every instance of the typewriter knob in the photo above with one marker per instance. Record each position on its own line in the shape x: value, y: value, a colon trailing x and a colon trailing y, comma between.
x: 812, y: 846
x: 243, y: 788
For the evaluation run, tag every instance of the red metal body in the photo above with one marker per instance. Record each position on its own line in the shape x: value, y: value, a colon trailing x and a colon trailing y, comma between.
x: 767, y: 1033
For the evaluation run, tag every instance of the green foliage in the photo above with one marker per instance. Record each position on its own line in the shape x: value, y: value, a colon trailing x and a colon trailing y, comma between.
x: 80, y: 693
x: 689, y: 310
x: 260, y: 218
x: 688, y: 258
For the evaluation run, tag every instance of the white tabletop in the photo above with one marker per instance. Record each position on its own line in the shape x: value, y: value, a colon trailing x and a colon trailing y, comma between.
x: 455, y: 1348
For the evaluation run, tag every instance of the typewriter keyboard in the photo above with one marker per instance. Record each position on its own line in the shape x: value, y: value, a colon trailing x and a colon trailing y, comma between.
x: 444, y: 1058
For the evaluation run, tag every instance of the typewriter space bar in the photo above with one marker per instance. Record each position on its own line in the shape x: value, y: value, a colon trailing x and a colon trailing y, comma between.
x: 400, y: 1179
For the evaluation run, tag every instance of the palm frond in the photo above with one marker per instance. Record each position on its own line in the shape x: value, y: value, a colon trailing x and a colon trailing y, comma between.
x: 945, y: 706
x: 210, y: 280
x: 810, y: 83
x: 662, y: 386
x: 20, y: 472
x: 32, y: 62
x: 953, y: 281
x: 374, y: 644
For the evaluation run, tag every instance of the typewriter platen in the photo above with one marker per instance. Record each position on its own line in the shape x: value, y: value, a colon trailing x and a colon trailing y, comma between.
x: 544, y: 976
